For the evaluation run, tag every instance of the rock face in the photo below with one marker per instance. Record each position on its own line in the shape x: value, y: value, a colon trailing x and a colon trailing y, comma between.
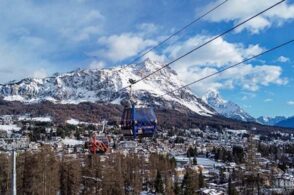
x: 93, y: 85
x: 226, y: 108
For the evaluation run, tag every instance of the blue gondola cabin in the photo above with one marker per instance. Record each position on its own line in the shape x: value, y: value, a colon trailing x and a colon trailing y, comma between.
x: 138, y: 122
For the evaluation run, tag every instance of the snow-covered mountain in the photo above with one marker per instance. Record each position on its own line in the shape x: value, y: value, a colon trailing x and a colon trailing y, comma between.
x: 226, y: 108
x: 270, y: 120
x: 104, y: 86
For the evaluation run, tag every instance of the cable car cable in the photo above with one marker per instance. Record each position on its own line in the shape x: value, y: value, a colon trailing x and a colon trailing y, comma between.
x: 232, y: 66
x: 202, y: 45
x: 177, y: 32
x: 172, y: 35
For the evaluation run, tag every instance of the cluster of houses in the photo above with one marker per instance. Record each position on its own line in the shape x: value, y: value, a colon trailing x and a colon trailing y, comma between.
x: 216, y: 172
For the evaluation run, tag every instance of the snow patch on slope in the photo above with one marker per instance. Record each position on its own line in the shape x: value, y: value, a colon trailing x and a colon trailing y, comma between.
x: 36, y: 119
x: 73, y: 121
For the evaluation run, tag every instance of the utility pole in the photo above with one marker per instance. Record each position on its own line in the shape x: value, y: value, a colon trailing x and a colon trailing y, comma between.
x: 13, y: 178
x: 12, y: 145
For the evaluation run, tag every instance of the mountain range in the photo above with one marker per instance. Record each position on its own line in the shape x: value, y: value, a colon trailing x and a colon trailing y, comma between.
x: 105, y: 86
x: 289, y: 122
x: 266, y: 120
x: 109, y: 86
x: 226, y: 108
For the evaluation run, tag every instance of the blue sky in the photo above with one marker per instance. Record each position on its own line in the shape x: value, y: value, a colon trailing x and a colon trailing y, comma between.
x: 39, y: 38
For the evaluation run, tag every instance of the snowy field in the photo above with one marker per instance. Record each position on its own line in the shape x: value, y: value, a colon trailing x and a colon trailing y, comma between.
x: 72, y: 142
x: 205, y: 162
x: 37, y: 119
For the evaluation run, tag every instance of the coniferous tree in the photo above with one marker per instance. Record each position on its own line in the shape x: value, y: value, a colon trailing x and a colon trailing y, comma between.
x: 231, y: 188
x: 191, y: 152
x: 201, y: 180
x: 177, y: 188
x: 194, y: 160
x: 169, y: 184
x: 4, y: 174
x: 159, y: 183
x: 40, y: 172
x: 190, y: 183
x: 70, y: 176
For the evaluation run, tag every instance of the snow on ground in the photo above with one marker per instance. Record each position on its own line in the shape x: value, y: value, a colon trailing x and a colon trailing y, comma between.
x: 14, y: 98
x: 117, y: 101
x: 237, y: 131
x: 41, y: 119
x: 206, y: 162
x: 212, y: 192
x: 9, y: 128
x: 192, y: 105
x: 51, y: 99
x: 73, y: 121
x: 37, y: 119
x: 72, y: 142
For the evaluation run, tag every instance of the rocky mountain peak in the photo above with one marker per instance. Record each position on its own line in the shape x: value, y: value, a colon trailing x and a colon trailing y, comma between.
x: 104, y: 86
x: 226, y: 108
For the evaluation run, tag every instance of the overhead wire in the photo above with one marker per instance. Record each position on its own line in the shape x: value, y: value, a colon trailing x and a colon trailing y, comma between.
x: 177, y: 32
x: 232, y: 66
x: 205, y: 43
x: 174, y: 34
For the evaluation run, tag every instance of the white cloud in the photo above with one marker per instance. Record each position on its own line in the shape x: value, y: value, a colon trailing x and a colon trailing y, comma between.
x: 253, y: 77
x: 120, y: 47
x: 255, y: 26
x: 220, y: 54
x: 36, y: 36
x: 66, y: 20
x: 247, y: 95
x: 41, y: 73
x: 239, y: 10
x: 217, y: 53
x: 291, y: 102
x: 268, y: 100
x: 84, y: 27
x: 245, y: 77
x: 17, y: 62
x: 283, y: 59
x: 154, y: 56
x: 252, y: 50
x: 148, y: 28
x: 247, y: 106
x: 97, y: 65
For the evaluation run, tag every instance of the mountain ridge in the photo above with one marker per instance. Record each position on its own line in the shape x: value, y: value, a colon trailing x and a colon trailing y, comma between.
x: 104, y: 85
x: 226, y: 108
x: 266, y: 120
x: 288, y: 122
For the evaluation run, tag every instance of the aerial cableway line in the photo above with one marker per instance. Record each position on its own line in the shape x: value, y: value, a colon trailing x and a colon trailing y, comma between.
x: 130, y: 119
x: 176, y: 33
x: 142, y: 120
x: 202, y: 45
x: 232, y: 66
